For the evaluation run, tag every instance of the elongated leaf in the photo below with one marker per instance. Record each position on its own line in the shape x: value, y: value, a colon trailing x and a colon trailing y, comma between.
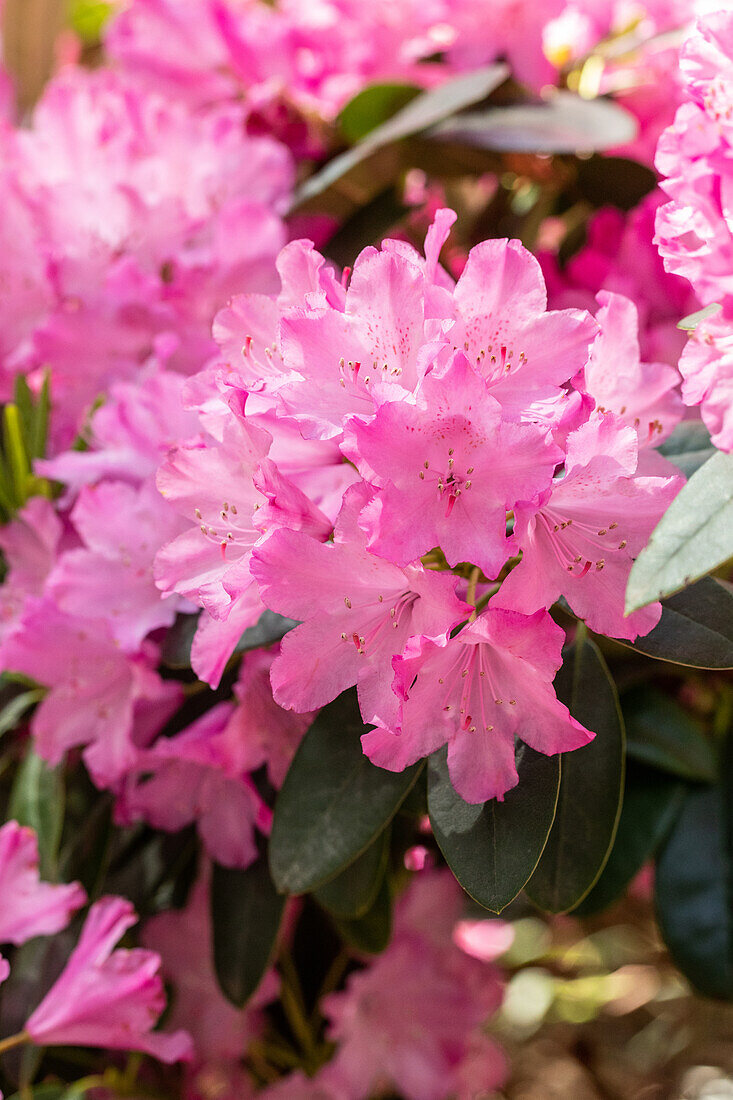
x: 421, y: 113
x: 694, y: 536
x: 372, y: 932
x: 333, y: 803
x: 246, y: 912
x: 493, y: 848
x: 591, y: 788
x: 37, y: 800
x: 352, y: 893
x: 564, y: 123
x: 373, y: 106
x: 13, y: 711
x: 693, y: 887
x: 688, y: 447
x: 176, y: 649
x: 659, y: 732
x: 696, y: 627
x: 652, y: 803
x: 268, y: 629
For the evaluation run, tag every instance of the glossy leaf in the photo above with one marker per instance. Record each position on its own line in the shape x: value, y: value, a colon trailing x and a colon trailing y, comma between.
x: 373, y: 106
x: 660, y: 733
x: 424, y: 111
x: 696, y: 627
x: 694, y: 536
x: 563, y: 123
x: 591, y: 788
x: 333, y: 803
x: 352, y: 893
x: 268, y: 629
x: 493, y: 848
x: 15, y: 709
x: 175, y: 651
x: 246, y: 912
x: 693, y: 885
x: 652, y: 803
x: 37, y: 800
x: 372, y: 932
x: 688, y: 447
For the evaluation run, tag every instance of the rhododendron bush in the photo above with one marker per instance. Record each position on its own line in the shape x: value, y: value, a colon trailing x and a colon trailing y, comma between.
x: 366, y: 518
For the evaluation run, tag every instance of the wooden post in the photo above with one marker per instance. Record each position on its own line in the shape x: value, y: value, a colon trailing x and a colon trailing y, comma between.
x: 29, y: 32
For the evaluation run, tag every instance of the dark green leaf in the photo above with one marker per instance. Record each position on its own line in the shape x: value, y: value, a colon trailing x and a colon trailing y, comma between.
x: 493, y: 848
x: 564, y: 123
x: 693, y: 886
x: 688, y: 447
x: 694, y: 536
x: 651, y: 805
x: 268, y: 629
x: 660, y: 733
x: 352, y: 893
x: 696, y: 627
x: 37, y: 800
x: 367, y: 226
x: 372, y: 932
x: 13, y: 711
x: 246, y: 912
x: 333, y: 803
x: 46, y: 1092
x: 424, y: 111
x: 614, y: 181
x: 176, y: 649
x: 371, y: 107
x: 591, y: 788
x: 692, y: 320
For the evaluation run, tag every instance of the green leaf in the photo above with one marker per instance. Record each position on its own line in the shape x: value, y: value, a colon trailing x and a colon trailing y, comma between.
x: 268, y: 629
x: 688, y: 447
x: 371, y: 107
x: 351, y: 894
x: 564, y: 123
x: 660, y: 733
x: 614, y: 181
x: 693, y: 888
x: 696, y: 628
x: 12, y: 713
x: 372, y: 932
x: 246, y: 912
x: 37, y: 800
x: 368, y: 225
x: 176, y: 649
x: 493, y: 848
x: 652, y: 803
x: 45, y: 1092
x: 333, y: 803
x: 424, y: 111
x: 692, y: 320
x: 694, y: 536
x: 591, y: 788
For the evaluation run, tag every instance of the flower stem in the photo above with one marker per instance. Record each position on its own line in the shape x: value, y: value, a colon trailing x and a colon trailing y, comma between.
x: 14, y: 1041
x: 471, y: 593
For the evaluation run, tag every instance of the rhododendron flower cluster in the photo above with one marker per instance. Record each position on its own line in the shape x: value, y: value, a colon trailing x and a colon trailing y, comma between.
x: 462, y: 406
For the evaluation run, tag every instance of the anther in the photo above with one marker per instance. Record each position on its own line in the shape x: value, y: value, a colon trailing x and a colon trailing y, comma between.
x: 347, y: 601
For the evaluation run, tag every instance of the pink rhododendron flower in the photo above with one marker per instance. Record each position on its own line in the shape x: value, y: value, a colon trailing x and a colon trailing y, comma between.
x: 30, y: 907
x: 358, y: 609
x: 108, y: 998
x: 410, y: 1019
x: 707, y: 372
x: 581, y: 541
x: 111, y: 577
x: 29, y: 545
x: 483, y: 939
x: 196, y: 776
x: 490, y: 684
x: 643, y: 395
x: 449, y: 467
x: 94, y: 688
